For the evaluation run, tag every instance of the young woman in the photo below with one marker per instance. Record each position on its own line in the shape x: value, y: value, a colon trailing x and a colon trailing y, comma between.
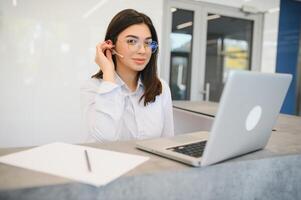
x: 125, y: 99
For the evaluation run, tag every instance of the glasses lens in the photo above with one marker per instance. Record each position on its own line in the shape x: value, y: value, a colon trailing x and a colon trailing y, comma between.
x: 134, y: 45
x: 154, y: 46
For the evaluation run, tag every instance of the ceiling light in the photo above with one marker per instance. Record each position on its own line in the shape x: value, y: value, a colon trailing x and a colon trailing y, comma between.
x: 272, y: 10
x: 210, y: 17
x: 184, y: 25
x: 173, y: 10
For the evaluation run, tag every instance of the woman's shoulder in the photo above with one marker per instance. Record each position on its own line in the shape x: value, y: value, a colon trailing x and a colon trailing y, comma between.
x: 166, y: 94
x: 165, y: 87
x: 164, y: 83
x: 96, y: 85
x: 91, y: 83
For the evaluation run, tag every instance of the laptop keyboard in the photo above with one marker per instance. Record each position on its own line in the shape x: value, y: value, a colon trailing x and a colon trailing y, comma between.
x: 193, y: 149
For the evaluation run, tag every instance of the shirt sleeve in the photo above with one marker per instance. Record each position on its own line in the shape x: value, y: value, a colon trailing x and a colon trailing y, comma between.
x: 102, y: 108
x: 168, y: 126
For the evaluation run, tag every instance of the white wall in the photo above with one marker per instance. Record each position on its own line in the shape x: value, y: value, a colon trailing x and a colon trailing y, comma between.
x: 47, y: 50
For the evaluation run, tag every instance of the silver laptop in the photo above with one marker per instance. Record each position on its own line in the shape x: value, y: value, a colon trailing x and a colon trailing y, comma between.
x: 248, y: 109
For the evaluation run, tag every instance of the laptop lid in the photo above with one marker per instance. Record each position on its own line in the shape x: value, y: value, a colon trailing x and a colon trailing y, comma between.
x: 248, y: 110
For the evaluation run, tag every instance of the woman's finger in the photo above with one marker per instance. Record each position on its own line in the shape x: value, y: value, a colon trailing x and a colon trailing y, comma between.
x: 99, y: 54
x: 105, y: 46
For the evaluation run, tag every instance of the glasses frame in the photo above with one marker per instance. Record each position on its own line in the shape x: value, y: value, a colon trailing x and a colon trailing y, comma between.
x: 153, y: 46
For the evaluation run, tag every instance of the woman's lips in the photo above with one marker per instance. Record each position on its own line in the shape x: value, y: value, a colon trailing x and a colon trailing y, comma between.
x: 139, y: 60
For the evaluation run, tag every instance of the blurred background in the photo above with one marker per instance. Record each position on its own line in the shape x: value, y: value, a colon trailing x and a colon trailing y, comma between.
x: 47, y: 50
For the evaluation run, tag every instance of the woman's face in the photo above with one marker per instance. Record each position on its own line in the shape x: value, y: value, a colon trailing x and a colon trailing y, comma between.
x: 133, y: 44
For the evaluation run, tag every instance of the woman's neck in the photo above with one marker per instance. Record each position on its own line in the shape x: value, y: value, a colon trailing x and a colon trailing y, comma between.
x: 129, y: 77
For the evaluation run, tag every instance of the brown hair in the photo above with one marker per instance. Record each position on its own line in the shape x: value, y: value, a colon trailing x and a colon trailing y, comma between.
x: 149, y: 78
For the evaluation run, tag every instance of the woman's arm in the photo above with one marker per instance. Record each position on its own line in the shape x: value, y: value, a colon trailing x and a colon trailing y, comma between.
x: 102, y: 108
x: 102, y: 100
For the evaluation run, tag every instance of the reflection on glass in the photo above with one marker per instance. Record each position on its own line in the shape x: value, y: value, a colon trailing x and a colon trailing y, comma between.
x: 228, y: 47
x: 180, y: 55
x: 180, y: 42
x: 179, y: 76
x: 235, y: 55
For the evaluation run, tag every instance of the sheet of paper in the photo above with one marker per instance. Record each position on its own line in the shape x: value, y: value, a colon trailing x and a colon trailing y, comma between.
x: 69, y: 161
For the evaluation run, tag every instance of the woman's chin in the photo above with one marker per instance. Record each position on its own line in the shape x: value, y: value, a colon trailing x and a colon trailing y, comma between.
x: 138, y: 67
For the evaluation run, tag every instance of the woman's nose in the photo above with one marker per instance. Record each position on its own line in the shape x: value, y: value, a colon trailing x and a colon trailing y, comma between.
x: 141, y: 48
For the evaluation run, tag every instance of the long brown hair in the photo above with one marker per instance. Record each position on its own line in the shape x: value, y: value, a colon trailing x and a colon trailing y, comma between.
x: 149, y: 78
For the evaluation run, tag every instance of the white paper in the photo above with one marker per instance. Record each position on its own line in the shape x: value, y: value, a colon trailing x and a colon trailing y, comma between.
x: 69, y: 161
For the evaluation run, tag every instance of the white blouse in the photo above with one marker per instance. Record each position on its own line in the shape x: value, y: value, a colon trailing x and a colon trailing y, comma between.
x: 112, y: 112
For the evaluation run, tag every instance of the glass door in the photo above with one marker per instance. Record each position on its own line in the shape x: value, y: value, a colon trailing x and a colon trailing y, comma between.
x: 228, y: 46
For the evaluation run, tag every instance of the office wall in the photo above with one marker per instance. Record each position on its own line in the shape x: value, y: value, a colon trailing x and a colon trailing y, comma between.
x: 47, y: 50
x: 288, y: 47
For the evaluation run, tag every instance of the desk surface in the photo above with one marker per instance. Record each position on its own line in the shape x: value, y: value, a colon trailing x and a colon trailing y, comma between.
x: 285, y: 140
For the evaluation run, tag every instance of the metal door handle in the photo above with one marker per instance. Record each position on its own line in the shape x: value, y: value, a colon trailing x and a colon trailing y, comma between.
x: 206, y: 92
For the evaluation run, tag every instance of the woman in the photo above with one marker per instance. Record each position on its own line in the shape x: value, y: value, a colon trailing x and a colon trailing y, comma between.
x: 125, y: 99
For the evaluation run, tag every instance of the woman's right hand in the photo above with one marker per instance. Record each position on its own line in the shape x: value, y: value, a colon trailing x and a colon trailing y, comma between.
x: 103, y: 59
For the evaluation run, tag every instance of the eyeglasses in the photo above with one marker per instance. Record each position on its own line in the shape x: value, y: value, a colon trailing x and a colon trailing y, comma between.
x: 135, y: 44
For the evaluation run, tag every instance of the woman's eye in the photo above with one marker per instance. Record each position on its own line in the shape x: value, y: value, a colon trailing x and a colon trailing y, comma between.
x: 131, y: 41
x: 148, y: 43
